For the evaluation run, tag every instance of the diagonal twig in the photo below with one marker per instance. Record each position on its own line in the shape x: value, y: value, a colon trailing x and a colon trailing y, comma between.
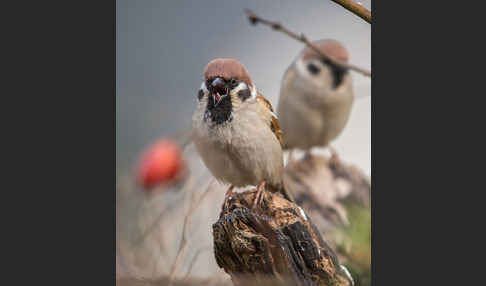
x: 254, y: 19
x: 188, y: 186
x: 193, y: 261
x: 183, y: 245
x: 356, y: 8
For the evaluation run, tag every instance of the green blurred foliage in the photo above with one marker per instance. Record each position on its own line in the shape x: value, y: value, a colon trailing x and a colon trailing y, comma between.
x: 355, y: 245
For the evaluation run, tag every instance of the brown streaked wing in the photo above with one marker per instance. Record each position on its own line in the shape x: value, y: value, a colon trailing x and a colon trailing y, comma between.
x: 274, y: 126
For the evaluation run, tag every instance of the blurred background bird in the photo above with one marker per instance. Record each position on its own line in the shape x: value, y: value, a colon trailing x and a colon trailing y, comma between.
x: 316, y: 97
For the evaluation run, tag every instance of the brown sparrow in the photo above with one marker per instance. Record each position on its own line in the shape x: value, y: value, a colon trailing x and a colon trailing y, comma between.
x: 316, y: 97
x: 235, y: 130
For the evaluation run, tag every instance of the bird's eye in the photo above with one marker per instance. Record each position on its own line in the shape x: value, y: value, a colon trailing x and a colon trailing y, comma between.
x: 233, y: 82
x: 313, y: 69
x: 200, y: 94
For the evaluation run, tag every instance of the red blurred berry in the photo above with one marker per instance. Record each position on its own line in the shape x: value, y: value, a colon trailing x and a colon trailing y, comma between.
x: 160, y: 164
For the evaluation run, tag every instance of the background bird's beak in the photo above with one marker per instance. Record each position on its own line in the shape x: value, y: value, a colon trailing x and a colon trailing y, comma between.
x: 219, y: 90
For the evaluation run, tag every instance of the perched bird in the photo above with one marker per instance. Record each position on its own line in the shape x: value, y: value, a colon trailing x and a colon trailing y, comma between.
x: 316, y: 97
x: 235, y: 130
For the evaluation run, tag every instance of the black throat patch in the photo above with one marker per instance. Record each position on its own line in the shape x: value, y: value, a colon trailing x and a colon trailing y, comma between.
x: 221, y: 113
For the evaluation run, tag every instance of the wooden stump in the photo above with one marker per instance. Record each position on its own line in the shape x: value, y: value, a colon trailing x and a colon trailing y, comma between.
x: 337, y: 195
x: 273, y: 244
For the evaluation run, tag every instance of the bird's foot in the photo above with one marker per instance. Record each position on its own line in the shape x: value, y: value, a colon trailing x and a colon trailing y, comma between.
x: 258, y: 195
x: 227, y: 197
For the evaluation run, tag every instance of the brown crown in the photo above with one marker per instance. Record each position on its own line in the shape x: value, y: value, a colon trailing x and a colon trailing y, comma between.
x: 227, y: 69
x: 332, y: 48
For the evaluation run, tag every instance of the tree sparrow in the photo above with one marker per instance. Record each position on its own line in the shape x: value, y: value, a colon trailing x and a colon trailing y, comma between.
x: 316, y: 97
x: 235, y: 130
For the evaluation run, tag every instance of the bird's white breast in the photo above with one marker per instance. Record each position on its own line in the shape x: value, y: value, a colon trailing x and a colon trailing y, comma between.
x: 243, y: 151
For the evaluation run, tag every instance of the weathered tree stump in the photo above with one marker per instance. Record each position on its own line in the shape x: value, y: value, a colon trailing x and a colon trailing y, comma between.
x: 337, y: 195
x: 274, y: 243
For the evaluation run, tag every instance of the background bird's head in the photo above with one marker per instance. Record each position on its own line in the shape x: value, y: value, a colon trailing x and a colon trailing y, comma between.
x: 316, y: 73
x: 227, y: 86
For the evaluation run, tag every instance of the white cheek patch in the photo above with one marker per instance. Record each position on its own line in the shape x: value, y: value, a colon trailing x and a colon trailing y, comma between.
x: 205, y: 91
x: 253, y: 92
x: 242, y: 86
x: 204, y: 88
x: 301, y: 69
x: 239, y: 87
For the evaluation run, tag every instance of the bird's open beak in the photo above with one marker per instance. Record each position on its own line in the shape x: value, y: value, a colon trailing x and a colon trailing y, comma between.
x: 219, y: 90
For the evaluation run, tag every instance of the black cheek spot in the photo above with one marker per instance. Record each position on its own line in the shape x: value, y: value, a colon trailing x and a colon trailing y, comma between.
x: 200, y: 94
x: 313, y: 69
x: 338, y: 75
x: 337, y: 72
x: 244, y: 94
x: 233, y: 82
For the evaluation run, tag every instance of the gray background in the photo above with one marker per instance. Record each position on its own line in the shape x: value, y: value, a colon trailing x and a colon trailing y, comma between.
x: 163, y: 46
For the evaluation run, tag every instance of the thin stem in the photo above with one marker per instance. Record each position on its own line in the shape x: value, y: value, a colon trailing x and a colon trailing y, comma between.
x: 254, y: 19
x: 183, y: 245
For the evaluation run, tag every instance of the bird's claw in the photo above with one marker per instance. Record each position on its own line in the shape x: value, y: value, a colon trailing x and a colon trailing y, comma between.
x: 227, y: 197
x: 258, y: 195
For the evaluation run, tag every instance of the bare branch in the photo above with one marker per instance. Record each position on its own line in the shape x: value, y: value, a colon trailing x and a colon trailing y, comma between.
x: 357, y: 8
x: 254, y: 19
x: 188, y: 186
x: 183, y: 245
x: 193, y: 261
